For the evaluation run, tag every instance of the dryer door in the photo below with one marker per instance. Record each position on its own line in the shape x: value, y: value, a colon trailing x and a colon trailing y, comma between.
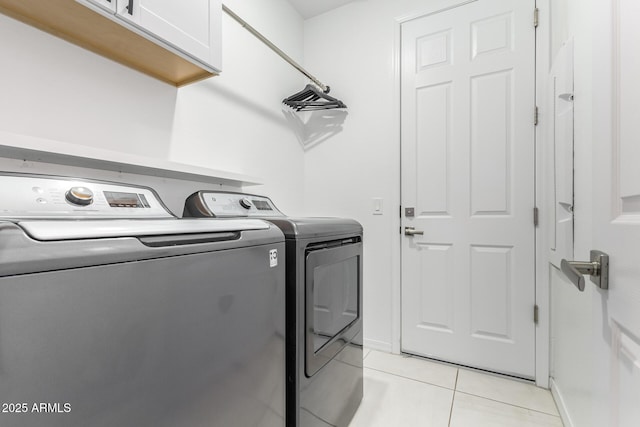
x: 333, y: 300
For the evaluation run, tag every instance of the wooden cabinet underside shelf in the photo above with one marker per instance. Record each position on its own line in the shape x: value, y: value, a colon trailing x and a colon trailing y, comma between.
x: 80, y: 25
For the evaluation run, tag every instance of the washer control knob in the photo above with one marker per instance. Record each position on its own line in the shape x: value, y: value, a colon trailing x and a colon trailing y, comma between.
x: 81, y: 196
x: 245, y: 203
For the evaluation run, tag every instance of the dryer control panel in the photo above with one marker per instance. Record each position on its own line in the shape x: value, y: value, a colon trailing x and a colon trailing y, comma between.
x: 33, y: 196
x: 229, y: 205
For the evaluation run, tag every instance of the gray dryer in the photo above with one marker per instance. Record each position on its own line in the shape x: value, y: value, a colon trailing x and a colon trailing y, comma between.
x: 324, y: 306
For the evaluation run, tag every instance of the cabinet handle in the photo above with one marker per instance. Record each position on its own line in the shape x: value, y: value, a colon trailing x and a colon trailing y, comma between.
x: 130, y: 7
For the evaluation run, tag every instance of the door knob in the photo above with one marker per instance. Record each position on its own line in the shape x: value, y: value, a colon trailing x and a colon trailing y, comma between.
x: 597, y: 268
x: 410, y: 231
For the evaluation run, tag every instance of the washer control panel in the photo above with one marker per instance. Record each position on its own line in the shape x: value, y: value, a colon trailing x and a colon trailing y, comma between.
x: 229, y: 205
x: 29, y: 196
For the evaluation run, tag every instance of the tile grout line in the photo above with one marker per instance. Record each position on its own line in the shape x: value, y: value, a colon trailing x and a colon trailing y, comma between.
x: 455, y: 390
x: 453, y: 398
x: 410, y: 379
x: 469, y: 368
x: 510, y: 404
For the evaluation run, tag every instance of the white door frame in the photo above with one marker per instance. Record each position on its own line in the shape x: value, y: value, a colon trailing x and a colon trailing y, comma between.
x: 542, y: 344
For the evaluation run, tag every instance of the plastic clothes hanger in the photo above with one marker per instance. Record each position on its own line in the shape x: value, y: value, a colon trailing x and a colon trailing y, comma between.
x: 312, y: 98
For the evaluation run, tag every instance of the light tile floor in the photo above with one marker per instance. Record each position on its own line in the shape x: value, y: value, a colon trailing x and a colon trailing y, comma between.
x: 406, y: 391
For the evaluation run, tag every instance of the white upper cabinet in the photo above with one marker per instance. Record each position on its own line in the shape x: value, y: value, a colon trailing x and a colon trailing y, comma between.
x: 175, y: 41
x: 192, y: 29
x: 109, y: 5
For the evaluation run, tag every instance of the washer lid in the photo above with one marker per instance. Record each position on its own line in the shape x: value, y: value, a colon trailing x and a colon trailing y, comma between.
x: 51, y: 230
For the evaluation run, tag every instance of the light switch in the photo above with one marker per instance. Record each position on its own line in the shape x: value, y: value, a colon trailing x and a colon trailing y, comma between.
x: 377, y: 206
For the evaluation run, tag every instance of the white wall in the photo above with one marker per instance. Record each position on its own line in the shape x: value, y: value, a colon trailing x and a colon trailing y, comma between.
x: 56, y: 90
x: 353, y: 49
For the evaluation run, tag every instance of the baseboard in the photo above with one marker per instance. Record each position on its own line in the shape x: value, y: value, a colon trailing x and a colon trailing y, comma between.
x: 562, y: 408
x: 378, y: 345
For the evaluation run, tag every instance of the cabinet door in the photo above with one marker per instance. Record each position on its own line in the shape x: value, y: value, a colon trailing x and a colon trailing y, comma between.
x: 192, y: 27
x: 109, y: 5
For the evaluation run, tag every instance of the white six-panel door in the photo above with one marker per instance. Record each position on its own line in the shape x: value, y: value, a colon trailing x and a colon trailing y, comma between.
x: 467, y: 93
x: 616, y: 212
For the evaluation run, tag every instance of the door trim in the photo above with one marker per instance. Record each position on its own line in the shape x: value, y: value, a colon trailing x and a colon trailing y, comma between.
x: 543, y: 300
x: 542, y: 61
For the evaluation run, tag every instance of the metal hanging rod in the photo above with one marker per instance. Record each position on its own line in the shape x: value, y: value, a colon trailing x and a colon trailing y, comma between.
x: 275, y: 48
